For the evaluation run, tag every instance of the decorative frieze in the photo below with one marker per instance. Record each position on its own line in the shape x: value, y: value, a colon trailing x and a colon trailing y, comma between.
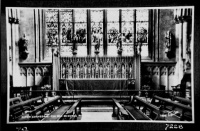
x: 97, y: 67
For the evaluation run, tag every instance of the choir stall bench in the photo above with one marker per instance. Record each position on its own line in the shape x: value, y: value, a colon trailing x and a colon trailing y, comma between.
x: 18, y: 107
x: 133, y: 108
x: 65, y: 112
x: 121, y: 112
x: 185, y: 111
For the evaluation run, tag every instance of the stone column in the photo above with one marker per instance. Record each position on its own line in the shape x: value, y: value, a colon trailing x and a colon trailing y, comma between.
x: 181, y: 19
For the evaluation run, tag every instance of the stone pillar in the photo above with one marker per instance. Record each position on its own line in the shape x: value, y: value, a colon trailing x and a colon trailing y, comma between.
x: 14, y: 37
x: 182, y: 17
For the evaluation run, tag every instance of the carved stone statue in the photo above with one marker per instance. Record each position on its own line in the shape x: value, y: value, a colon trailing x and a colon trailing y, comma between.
x: 119, y: 43
x: 115, y: 71
x: 93, y: 71
x: 123, y: 71
x: 77, y: 71
x: 130, y: 71
x: 85, y: 71
x: 141, y: 38
x: 63, y: 73
x: 89, y: 72
x: 74, y: 45
x: 107, y: 71
x: 101, y: 71
x: 97, y: 71
x: 70, y: 71
x: 96, y: 40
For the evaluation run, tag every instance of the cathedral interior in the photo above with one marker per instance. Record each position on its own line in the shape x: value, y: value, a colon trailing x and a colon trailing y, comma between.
x: 100, y: 64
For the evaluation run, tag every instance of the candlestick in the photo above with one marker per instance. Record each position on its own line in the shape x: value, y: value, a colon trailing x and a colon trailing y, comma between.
x: 9, y: 13
x: 14, y: 14
x: 175, y: 13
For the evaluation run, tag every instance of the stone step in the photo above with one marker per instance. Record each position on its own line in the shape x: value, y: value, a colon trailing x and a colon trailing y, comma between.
x: 96, y: 109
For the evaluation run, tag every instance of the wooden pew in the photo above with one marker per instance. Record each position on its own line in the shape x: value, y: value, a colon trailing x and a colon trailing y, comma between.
x: 154, y: 111
x: 121, y: 112
x: 16, y: 110
x: 64, y: 112
x: 72, y: 113
x: 182, y: 100
x: 57, y: 114
x: 39, y: 111
x: 15, y: 100
x: 184, y: 108
x: 137, y: 114
x: 23, y: 92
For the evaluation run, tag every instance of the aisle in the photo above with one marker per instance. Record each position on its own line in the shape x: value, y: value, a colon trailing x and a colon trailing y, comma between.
x: 97, y: 114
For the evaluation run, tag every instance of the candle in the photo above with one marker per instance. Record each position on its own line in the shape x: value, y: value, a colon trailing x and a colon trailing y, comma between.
x: 186, y: 12
x: 190, y: 12
x: 183, y: 12
x: 179, y: 12
x: 175, y: 13
x: 16, y: 13
x: 9, y: 13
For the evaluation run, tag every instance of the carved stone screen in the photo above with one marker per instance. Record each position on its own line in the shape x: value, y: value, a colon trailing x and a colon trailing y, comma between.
x: 97, y: 67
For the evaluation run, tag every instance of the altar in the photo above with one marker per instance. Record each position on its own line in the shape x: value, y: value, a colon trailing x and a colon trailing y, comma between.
x: 96, y: 76
x: 96, y: 87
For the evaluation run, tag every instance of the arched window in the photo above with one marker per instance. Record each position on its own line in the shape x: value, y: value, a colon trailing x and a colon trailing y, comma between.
x: 80, y: 30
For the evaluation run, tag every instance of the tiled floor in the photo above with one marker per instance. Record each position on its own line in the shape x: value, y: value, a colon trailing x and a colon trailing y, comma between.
x: 97, y: 116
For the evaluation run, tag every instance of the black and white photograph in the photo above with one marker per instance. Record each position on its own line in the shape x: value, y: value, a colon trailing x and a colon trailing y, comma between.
x: 129, y: 66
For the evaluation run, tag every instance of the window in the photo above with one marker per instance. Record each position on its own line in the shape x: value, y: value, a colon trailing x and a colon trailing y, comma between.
x: 97, y: 30
x: 112, y: 28
x: 113, y: 31
x: 51, y: 27
x: 142, y: 22
x: 128, y: 19
x: 66, y: 25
